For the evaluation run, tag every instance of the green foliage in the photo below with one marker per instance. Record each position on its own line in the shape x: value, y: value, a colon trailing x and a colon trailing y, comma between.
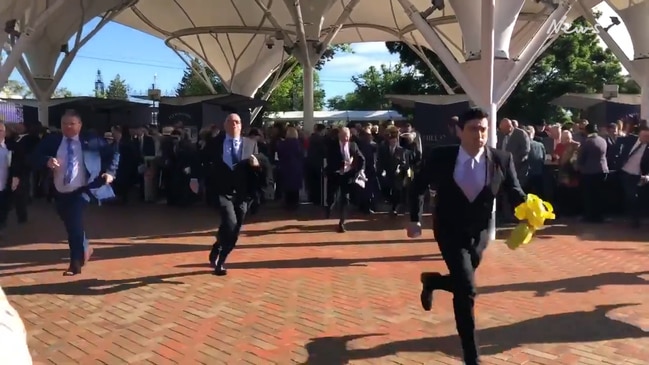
x: 19, y: 88
x: 192, y: 83
x: 372, y: 86
x: 117, y: 89
x: 289, y: 94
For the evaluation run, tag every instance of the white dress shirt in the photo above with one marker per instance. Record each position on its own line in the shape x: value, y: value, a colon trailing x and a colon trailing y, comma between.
x: 4, y: 165
x: 632, y: 165
x: 344, y: 150
x: 79, y: 178
x: 471, y: 173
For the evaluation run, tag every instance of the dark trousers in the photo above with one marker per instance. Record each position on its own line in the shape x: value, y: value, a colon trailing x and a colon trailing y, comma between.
x: 70, y: 207
x: 233, y: 212
x: 631, y: 198
x: 338, y: 193
x: 536, y: 185
x: 313, y: 182
x: 5, y: 206
x: 20, y: 198
x: 292, y: 198
x: 593, y: 190
x: 462, y: 253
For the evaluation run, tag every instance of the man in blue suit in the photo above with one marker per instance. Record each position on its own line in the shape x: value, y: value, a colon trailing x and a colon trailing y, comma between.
x: 82, y: 165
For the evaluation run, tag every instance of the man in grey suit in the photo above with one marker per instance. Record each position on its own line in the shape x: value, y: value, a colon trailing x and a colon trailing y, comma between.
x: 517, y: 142
x: 592, y: 165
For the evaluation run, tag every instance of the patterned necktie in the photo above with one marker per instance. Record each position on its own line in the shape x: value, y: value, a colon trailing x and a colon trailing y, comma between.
x: 234, y: 153
x: 70, y: 162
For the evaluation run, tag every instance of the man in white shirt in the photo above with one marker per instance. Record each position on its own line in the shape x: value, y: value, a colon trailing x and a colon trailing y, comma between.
x: 10, y: 170
x: 65, y: 154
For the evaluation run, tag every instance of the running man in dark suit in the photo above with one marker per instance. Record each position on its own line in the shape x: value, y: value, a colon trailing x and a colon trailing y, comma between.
x: 241, y: 173
x: 467, y: 178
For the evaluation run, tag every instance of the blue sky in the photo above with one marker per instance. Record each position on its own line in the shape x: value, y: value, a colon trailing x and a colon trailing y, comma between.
x: 137, y: 57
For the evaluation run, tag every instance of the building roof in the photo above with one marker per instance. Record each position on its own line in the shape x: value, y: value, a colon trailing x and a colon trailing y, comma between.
x: 585, y: 101
x: 409, y: 101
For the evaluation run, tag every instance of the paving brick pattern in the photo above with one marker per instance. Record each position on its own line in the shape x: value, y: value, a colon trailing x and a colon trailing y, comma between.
x: 297, y: 293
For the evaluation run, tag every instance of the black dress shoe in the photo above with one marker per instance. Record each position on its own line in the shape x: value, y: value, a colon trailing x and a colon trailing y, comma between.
x: 341, y: 228
x: 426, y: 296
x: 220, y: 271
x: 73, y: 269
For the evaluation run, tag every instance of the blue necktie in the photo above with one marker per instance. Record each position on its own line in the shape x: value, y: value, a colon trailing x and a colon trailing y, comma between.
x: 70, y: 161
x: 233, y: 153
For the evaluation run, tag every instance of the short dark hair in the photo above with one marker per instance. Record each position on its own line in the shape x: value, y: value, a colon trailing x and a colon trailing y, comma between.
x: 590, y: 128
x: 471, y: 114
x: 643, y: 125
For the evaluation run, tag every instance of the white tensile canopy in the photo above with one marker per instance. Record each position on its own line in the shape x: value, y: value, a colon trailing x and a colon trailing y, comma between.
x: 340, y: 115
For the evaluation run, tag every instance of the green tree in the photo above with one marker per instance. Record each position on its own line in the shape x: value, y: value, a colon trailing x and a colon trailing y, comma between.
x: 19, y: 88
x: 117, y: 89
x: 574, y: 63
x: 192, y: 83
x: 289, y: 94
x: 371, y: 87
x: 62, y: 92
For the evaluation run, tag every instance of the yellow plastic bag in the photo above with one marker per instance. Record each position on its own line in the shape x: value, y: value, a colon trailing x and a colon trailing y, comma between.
x: 534, y: 211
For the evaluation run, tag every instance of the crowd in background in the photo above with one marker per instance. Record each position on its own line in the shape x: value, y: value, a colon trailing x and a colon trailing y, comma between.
x: 554, y: 161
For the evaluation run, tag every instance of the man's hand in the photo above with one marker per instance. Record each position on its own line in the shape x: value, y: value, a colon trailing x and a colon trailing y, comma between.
x: 253, y: 161
x: 644, y: 179
x: 108, y: 178
x: 14, y: 183
x: 53, y: 163
x: 413, y: 230
x: 193, y: 185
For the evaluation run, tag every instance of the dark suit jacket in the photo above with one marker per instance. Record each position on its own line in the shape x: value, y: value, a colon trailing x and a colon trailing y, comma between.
x: 591, y: 157
x: 49, y: 146
x: 244, y: 181
x: 623, y: 149
x: 389, y: 162
x: 335, y: 160
x: 148, y: 147
x: 454, y: 214
x: 19, y: 166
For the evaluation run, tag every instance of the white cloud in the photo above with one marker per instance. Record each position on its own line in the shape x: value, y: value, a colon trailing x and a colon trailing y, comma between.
x: 369, y: 48
x: 357, y: 63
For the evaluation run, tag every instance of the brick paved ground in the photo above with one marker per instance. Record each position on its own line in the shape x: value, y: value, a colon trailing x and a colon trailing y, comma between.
x: 297, y: 293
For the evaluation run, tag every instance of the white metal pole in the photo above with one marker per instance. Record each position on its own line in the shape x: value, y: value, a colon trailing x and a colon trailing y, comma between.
x: 530, y: 53
x: 307, y: 103
x: 24, y: 41
x: 487, y: 102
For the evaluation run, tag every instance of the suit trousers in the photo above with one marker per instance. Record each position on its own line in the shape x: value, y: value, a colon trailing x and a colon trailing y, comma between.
x: 631, y: 198
x: 5, y: 206
x: 462, y: 253
x: 338, y: 193
x: 594, y: 190
x: 232, y: 211
x: 70, y: 208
